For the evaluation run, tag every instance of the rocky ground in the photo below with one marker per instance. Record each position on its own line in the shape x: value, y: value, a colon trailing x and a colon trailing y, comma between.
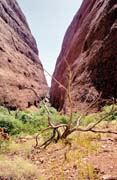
x: 84, y: 157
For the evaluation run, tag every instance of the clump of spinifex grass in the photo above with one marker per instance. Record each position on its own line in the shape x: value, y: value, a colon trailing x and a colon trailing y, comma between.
x: 18, y: 168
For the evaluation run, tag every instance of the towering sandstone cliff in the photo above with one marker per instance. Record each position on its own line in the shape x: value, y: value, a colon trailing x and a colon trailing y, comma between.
x: 19, y: 62
x: 90, y: 47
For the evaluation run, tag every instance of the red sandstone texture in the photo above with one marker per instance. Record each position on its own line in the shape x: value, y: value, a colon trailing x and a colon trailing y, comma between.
x: 19, y: 62
x: 90, y: 47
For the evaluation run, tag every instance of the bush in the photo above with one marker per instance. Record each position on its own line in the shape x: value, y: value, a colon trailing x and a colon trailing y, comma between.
x: 10, y: 124
x: 106, y: 110
x: 26, y: 122
x: 4, y: 110
x: 91, y: 118
x: 24, y: 116
x: 18, y: 122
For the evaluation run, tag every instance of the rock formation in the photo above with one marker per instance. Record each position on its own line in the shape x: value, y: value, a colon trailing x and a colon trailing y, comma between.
x: 19, y: 63
x: 90, y: 48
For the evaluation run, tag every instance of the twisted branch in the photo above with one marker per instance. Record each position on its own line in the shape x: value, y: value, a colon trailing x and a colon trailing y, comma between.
x: 56, y: 135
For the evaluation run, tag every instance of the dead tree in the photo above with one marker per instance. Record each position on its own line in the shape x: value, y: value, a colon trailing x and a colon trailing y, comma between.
x: 69, y: 128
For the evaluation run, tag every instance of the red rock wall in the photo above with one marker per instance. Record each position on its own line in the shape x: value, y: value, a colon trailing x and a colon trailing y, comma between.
x: 19, y: 62
x: 90, y: 47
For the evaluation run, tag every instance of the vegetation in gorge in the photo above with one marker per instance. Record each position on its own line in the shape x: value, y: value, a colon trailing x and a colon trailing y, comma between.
x: 20, y: 160
x: 18, y: 123
x: 27, y: 122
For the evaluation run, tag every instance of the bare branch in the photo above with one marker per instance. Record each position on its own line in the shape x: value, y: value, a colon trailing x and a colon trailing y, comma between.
x: 86, y: 111
x: 44, y: 130
x: 93, y: 103
x: 93, y: 130
x: 56, y: 135
x: 47, y: 109
x: 29, y: 88
x: 61, y: 125
x: 49, y: 115
x: 46, y: 143
x: 69, y: 90
x: 103, y: 131
x: 103, y: 118
x: 61, y: 85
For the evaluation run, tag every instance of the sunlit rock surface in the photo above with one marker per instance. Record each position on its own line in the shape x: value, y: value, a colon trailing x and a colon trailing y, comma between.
x: 19, y: 63
x: 90, y: 47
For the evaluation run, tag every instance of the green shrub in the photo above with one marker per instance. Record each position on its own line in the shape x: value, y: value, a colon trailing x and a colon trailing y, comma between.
x: 4, y: 110
x: 6, y: 123
x: 63, y: 119
x: 18, y: 122
x: 10, y: 125
x: 91, y: 118
x: 26, y: 122
x: 24, y: 116
x: 106, y: 110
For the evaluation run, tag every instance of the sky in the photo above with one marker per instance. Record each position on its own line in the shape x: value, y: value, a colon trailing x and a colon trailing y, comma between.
x: 48, y: 21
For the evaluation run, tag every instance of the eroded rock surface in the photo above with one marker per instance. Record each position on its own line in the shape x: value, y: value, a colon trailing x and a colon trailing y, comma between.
x: 90, y: 48
x: 19, y: 63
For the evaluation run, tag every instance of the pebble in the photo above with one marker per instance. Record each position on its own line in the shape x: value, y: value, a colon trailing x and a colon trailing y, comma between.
x: 85, y: 159
x: 23, y: 140
x: 67, y: 170
x: 75, y: 166
x: 106, y: 150
x: 41, y: 160
x: 108, y: 177
x: 37, y: 162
